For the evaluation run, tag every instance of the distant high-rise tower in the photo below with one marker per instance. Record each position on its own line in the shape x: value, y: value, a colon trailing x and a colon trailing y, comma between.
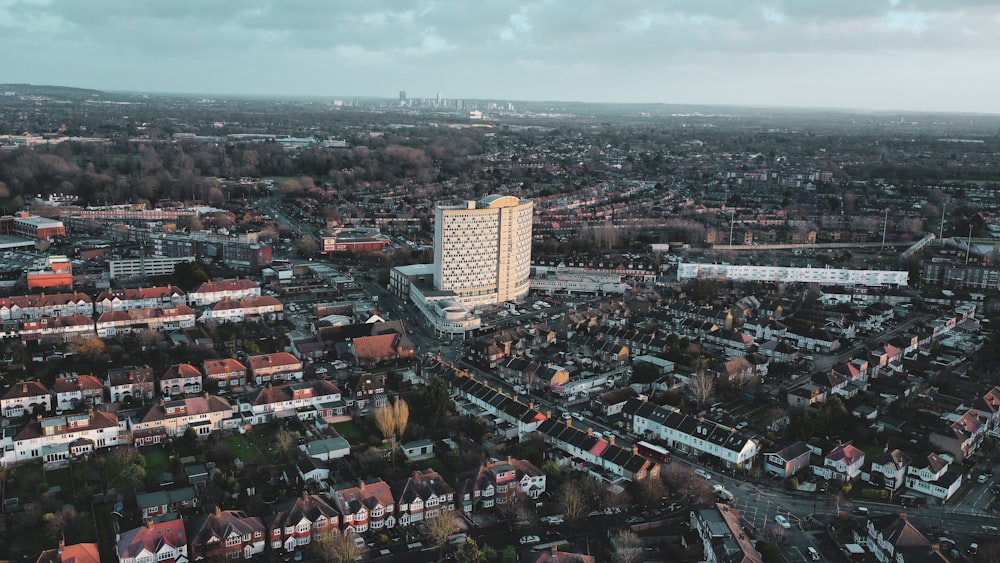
x: 439, y: 98
x: 402, y: 97
x: 482, y: 250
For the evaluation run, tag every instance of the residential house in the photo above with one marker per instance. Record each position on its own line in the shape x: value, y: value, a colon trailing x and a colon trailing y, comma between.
x: 892, y: 538
x: 114, y: 323
x: 25, y: 398
x: 424, y: 494
x: 130, y: 382
x: 204, y: 415
x: 305, y: 399
x: 64, y: 329
x: 215, y: 291
x: 787, y: 461
x: 722, y: 536
x: 929, y: 475
x: 227, y: 372
x: 370, y: 388
x: 891, y: 469
x: 60, y: 438
x: 77, y: 553
x: 227, y: 534
x: 142, y: 298
x: 694, y: 435
x: 498, y: 482
x: 369, y: 505
x: 180, y: 379
x: 843, y: 463
x: 163, y: 501
x: 78, y: 390
x: 229, y: 310
x: 34, y: 307
x: 611, y: 403
x: 524, y: 418
x: 163, y: 542
x: 280, y: 366
x: 960, y: 435
x: 301, y: 521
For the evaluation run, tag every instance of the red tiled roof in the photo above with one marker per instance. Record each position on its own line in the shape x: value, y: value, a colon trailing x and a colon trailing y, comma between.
x: 226, y: 285
x: 140, y: 293
x: 26, y: 389
x: 150, y: 536
x: 77, y: 383
x: 181, y: 371
x: 273, y: 360
x: 375, y: 347
x: 247, y: 303
x: 223, y: 365
x: 44, y: 300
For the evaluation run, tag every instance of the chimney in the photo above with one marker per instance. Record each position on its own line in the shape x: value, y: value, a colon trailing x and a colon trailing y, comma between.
x: 218, y: 510
x: 149, y: 523
x: 62, y: 545
x: 24, y: 387
x: 635, y: 450
x: 590, y: 431
x: 611, y: 440
x: 569, y: 422
x: 305, y: 495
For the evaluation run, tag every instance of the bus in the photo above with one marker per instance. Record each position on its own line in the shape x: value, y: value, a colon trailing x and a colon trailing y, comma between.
x: 653, y: 451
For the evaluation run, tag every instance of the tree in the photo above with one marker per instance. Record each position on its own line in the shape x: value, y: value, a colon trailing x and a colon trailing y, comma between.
x: 391, y: 419
x: 287, y: 442
x: 133, y: 474
x: 573, y: 500
x: 701, y: 388
x: 334, y: 546
x: 90, y: 348
x: 469, y: 552
x: 438, y: 399
x: 628, y: 547
x: 441, y: 527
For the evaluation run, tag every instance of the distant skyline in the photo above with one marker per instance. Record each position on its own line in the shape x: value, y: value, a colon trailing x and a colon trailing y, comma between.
x: 906, y: 55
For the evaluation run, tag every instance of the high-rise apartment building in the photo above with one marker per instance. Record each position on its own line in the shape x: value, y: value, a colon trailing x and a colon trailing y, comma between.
x: 482, y: 249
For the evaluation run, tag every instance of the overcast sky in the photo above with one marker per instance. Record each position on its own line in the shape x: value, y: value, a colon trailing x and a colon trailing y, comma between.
x: 879, y: 54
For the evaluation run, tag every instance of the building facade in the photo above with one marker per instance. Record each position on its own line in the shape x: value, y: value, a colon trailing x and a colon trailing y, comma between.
x: 482, y: 249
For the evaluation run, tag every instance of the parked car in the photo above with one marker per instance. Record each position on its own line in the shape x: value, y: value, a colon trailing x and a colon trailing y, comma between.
x: 813, y: 554
x: 782, y: 521
x: 703, y: 474
x: 633, y: 520
x: 527, y: 540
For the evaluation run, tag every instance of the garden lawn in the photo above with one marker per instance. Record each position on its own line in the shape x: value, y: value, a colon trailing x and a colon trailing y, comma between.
x: 350, y: 432
x: 156, y: 462
x: 437, y: 465
x: 240, y: 446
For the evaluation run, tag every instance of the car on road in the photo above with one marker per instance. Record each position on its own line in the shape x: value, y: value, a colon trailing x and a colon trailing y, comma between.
x: 813, y: 554
x: 633, y: 520
x: 527, y: 540
x: 782, y: 521
x: 703, y: 474
x: 982, y: 478
x: 742, y: 425
x: 578, y: 416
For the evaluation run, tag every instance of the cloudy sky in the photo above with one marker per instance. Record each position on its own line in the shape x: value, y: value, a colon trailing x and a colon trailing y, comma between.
x: 878, y: 54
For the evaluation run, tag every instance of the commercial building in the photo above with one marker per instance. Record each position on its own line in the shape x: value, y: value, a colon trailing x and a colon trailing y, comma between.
x: 29, y: 226
x: 54, y: 271
x: 357, y: 240
x: 146, y: 267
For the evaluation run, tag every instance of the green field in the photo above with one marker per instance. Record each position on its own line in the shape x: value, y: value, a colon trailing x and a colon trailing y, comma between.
x: 351, y: 433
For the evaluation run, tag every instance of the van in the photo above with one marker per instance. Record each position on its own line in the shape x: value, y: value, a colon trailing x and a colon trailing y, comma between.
x: 813, y: 554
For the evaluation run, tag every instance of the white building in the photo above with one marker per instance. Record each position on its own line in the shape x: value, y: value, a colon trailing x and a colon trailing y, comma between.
x: 783, y: 274
x: 482, y: 250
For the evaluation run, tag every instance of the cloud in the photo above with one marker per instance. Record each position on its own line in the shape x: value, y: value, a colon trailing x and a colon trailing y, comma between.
x: 524, y: 48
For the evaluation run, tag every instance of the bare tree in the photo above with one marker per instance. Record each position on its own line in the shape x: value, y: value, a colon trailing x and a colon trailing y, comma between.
x: 391, y: 419
x: 441, y: 527
x: 774, y: 534
x: 334, y: 546
x: 628, y: 547
x: 684, y: 479
x: 286, y: 442
x: 701, y: 388
x: 573, y: 501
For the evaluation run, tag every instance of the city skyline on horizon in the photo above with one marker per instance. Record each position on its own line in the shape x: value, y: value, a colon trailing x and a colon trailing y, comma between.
x: 892, y: 55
